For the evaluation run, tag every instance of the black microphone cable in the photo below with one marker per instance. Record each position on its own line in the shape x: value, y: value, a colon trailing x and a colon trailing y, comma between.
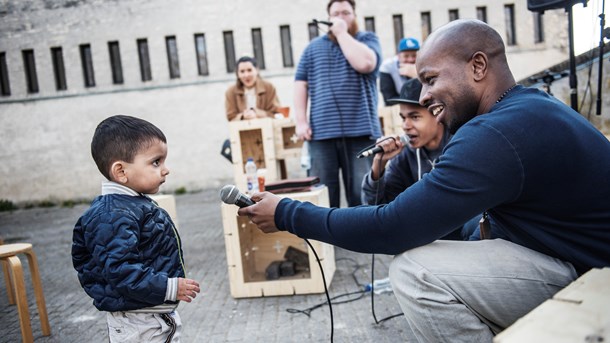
x: 373, y: 258
x: 360, y: 293
x: 330, y: 306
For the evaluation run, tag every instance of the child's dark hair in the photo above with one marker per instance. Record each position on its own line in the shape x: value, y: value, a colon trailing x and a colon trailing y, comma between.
x: 120, y: 138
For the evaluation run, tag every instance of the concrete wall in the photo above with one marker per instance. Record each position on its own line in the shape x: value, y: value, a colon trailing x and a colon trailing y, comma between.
x: 45, y: 137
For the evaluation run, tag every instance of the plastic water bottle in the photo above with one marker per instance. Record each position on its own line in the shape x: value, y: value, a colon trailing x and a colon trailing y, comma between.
x: 251, y: 177
x: 379, y: 286
x: 305, y: 158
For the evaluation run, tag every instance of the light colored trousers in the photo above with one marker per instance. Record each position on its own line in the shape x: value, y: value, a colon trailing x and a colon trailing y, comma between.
x: 129, y: 327
x: 454, y: 291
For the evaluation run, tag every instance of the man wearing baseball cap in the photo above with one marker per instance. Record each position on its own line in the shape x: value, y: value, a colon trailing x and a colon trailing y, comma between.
x: 396, y: 70
x: 426, y: 139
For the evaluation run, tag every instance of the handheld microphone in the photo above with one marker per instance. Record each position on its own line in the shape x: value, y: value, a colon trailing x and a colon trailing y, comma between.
x: 229, y: 194
x: 327, y: 23
x: 377, y: 149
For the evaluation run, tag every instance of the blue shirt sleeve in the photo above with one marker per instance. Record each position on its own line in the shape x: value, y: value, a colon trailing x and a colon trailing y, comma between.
x: 468, y: 178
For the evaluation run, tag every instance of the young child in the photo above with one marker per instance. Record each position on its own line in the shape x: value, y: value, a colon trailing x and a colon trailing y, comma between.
x: 125, y: 248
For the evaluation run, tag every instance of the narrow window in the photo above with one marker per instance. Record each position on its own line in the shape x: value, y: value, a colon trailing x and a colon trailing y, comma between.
x: 29, y: 65
x: 257, y: 44
x: 398, y: 29
x: 115, y: 62
x: 509, y: 21
x: 229, y: 50
x: 59, y: 70
x: 144, y: 57
x: 87, y: 63
x: 202, y: 54
x: 172, y: 57
x: 454, y: 15
x: 5, y: 88
x: 286, y: 46
x: 369, y: 24
x: 538, y: 27
x: 482, y: 13
x: 426, y: 25
x: 313, y: 30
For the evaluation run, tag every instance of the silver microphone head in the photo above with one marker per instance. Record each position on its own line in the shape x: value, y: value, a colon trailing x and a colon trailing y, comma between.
x: 404, y: 139
x: 228, y: 194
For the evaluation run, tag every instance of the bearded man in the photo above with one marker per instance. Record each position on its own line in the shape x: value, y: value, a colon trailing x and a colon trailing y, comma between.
x: 337, y: 73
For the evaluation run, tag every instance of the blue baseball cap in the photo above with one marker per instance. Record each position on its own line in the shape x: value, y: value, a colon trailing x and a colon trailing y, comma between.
x: 408, y: 44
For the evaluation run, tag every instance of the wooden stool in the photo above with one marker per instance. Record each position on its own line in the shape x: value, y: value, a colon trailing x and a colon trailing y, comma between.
x: 8, y: 255
x: 7, y: 279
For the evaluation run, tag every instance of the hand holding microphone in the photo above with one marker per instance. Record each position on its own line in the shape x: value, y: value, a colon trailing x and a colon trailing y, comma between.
x: 229, y: 194
x: 404, y: 139
x: 260, y: 208
x: 335, y: 25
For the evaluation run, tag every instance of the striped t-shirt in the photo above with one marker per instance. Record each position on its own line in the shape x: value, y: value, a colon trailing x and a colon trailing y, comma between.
x: 343, y: 102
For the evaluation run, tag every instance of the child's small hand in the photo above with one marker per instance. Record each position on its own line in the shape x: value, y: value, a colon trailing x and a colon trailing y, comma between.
x: 187, y: 289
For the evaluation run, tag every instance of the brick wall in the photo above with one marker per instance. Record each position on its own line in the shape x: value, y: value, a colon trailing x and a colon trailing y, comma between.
x: 44, y: 137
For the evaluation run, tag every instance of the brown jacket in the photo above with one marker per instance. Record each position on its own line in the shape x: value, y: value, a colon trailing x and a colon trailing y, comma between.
x: 267, y: 102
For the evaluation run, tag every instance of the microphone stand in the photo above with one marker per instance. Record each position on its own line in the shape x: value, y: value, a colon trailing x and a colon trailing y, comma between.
x: 603, y: 32
x: 573, y: 80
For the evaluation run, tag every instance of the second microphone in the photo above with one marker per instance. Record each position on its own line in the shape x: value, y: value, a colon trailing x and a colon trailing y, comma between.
x: 377, y: 149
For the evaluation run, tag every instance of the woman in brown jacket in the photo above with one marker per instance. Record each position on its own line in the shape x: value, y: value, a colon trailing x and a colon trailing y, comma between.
x: 251, y: 97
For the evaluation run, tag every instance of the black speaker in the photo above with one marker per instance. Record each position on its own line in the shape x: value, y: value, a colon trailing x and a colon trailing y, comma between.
x: 543, y: 5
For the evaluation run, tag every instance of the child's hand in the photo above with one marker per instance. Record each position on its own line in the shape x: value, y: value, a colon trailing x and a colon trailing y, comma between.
x: 187, y: 289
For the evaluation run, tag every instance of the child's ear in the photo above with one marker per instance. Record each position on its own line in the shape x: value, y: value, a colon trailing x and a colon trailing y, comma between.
x: 117, y: 171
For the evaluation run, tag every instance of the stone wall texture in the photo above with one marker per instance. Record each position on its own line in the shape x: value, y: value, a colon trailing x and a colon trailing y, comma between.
x: 45, y: 136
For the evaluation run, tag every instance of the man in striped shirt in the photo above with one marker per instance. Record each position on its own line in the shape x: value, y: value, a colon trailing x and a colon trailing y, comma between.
x: 337, y: 73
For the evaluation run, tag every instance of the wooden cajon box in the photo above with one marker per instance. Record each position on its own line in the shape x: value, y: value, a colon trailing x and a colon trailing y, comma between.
x: 250, y: 252
x: 253, y: 138
x: 287, y: 144
x: 390, y: 120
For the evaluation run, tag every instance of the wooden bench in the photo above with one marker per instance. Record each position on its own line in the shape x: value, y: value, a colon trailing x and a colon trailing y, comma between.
x: 578, y: 313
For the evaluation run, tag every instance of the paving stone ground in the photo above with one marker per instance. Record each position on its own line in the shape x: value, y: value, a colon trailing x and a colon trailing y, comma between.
x: 214, y: 316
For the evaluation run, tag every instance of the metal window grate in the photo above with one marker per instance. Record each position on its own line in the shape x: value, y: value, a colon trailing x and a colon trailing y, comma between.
x: 286, y: 41
x: 59, y: 70
x: 144, y: 57
x: 87, y: 63
x: 172, y: 57
x: 5, y: 87
x: 29, y: 64
x: 257, y: 45
x: 115, y: 62
x: 201, y: 54
x: 229, y: 50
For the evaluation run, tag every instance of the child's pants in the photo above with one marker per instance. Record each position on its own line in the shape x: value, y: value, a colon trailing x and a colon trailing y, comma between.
x: 144, y: 327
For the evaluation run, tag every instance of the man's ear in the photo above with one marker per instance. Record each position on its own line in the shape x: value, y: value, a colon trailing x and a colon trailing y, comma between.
x: 117, y: 172
x: 479, y: 65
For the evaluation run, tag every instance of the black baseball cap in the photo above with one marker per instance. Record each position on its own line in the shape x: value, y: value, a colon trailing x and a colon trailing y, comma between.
x: 409, y: 93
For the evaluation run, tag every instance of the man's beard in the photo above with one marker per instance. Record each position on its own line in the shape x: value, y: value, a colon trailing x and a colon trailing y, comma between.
x: 352, y: 30
x: 468, y: 110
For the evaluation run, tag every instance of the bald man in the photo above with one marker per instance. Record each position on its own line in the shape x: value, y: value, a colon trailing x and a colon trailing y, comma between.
x: 537, y: 169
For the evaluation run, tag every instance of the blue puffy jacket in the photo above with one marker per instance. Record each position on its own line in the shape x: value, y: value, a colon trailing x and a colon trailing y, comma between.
x: 124, y: 249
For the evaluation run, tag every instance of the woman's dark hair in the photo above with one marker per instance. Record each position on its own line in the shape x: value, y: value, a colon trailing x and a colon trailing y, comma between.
x: 242, y: 60
x: 246, y: 59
